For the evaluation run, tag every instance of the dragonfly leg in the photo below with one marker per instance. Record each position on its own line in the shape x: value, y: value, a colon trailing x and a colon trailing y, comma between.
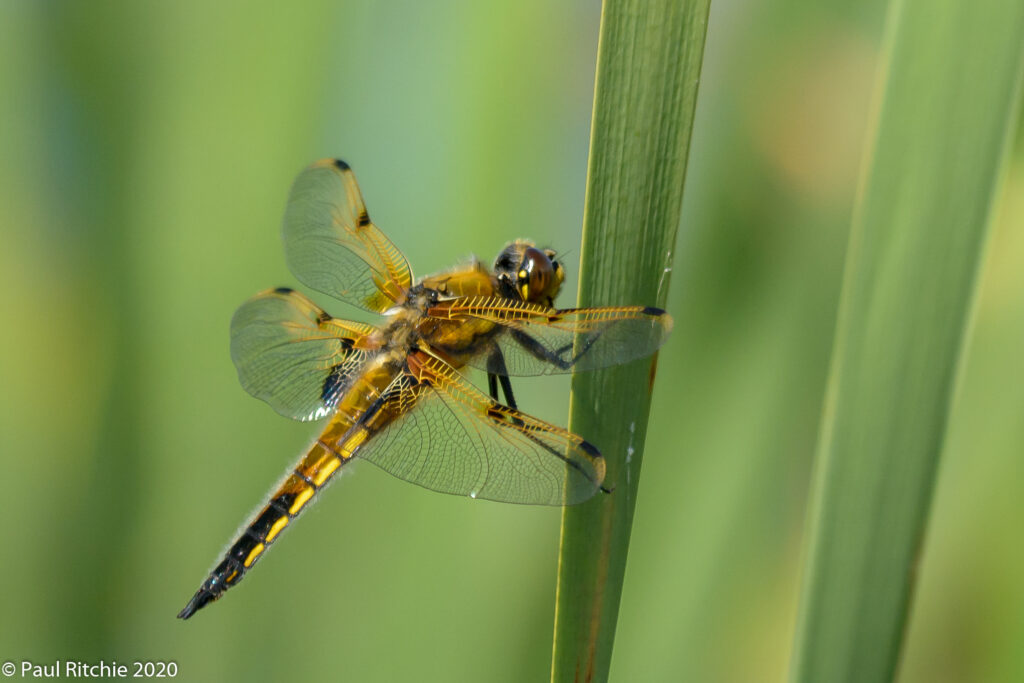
x: 498, y: 372
x: 492, y: 385
x: 506, y: 387
x: 538, y: 350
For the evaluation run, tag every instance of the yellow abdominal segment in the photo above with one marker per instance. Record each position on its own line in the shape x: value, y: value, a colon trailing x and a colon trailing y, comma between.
x: 276, y: 529
x: 301, y: 500
x: 253, y: 554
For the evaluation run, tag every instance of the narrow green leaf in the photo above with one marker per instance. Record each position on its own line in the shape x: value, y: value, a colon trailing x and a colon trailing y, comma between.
x: 649, y: 61
x: 951, y: 74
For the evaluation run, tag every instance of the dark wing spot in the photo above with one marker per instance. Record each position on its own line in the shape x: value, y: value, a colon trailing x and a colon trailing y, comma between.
x: 338, y: 378
x: 283, y: 290
x: 650, y: 310
x: 342, y: 165
x: 333, y: 384
x: 590, y: 449
x: 364, y: 219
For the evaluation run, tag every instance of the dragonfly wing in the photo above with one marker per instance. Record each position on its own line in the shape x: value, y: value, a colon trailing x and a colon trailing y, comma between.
x: 538, y: 340
x: 444, y: 434
x: 293, y: 355
x: 332, y: 246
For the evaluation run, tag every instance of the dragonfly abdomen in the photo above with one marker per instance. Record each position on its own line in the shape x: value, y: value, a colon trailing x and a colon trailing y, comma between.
x: 286, y: 503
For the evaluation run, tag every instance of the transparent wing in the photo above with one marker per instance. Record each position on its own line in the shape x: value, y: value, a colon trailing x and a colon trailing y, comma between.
x: 538, y: 340
x: 293, y: 355
x: 444, y: 434
x: 331, y: 245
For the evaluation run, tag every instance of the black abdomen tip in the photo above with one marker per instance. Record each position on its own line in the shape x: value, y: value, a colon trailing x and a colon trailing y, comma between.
x: 201, y: 599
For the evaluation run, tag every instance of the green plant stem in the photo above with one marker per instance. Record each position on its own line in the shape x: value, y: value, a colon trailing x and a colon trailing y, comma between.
x: 950, y: 80
x: 649, y: 61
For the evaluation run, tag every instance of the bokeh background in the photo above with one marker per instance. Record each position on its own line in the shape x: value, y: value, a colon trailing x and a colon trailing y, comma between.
x: 146, y: 150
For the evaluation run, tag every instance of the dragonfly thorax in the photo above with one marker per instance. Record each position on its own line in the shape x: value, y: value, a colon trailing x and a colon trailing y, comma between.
x: 402, y: 331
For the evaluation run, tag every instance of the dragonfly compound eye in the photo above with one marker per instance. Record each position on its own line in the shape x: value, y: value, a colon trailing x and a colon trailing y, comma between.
x: 538, y: 277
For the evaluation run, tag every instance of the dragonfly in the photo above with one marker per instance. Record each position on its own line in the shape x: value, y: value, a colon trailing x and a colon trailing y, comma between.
x: 395, y: 394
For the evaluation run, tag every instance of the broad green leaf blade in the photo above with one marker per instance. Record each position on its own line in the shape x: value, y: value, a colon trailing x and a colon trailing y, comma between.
x: 951, y: 75
x: 649, y: 61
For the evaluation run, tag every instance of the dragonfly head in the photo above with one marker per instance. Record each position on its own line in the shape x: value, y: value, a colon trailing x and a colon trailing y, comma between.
x: 526, y: 272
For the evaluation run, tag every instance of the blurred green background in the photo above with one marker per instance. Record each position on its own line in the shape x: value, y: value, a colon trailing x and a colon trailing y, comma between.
x: 147, y: 151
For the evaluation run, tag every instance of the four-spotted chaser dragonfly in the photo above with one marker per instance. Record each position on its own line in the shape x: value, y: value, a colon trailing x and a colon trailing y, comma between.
x: 394, y: 394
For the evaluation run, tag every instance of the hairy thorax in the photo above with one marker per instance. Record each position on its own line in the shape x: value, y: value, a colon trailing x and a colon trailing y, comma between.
x: 454, y: 340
